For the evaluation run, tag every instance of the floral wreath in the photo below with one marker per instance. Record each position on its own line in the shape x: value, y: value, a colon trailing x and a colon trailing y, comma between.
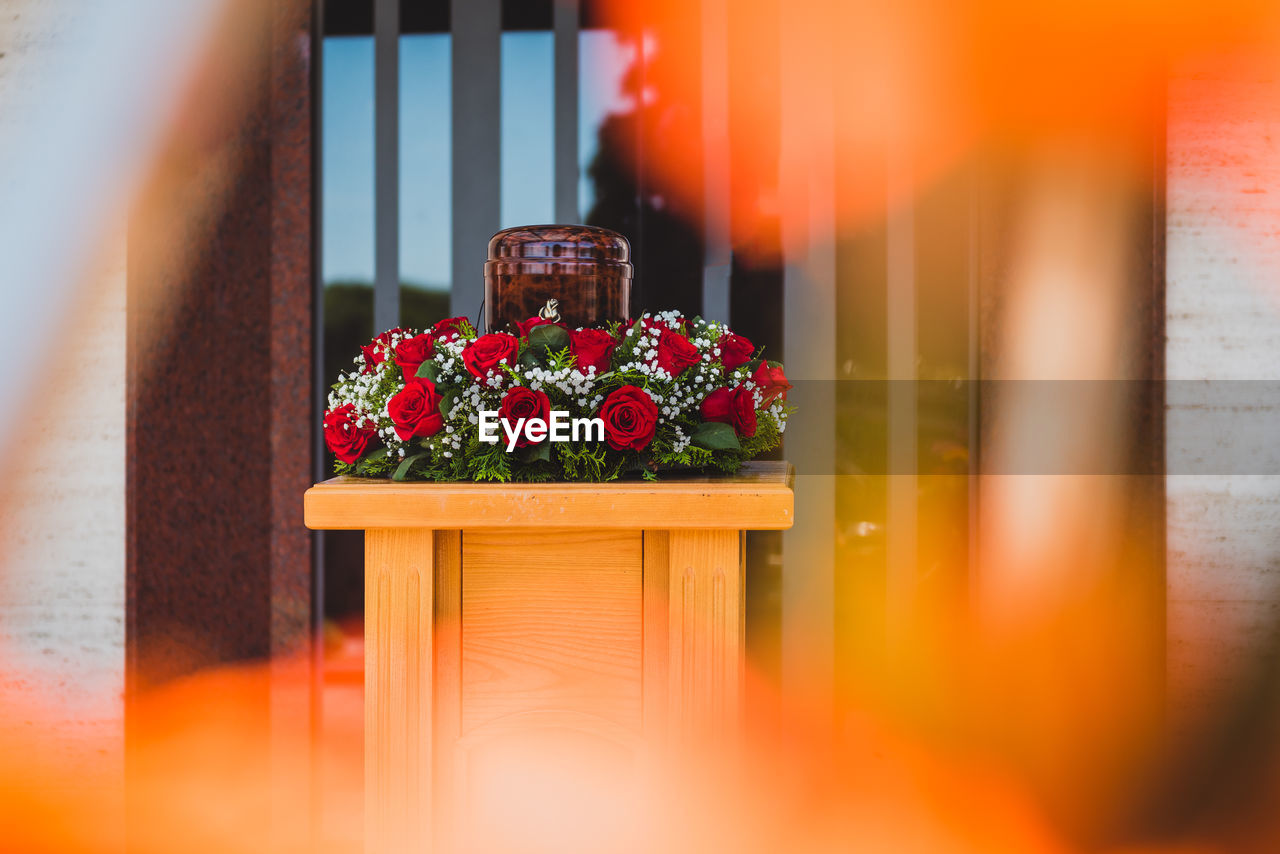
x: 668, y: 393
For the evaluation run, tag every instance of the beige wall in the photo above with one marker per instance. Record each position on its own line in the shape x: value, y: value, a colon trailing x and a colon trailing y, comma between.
x: 1223, y: 323
x: 62, y: 537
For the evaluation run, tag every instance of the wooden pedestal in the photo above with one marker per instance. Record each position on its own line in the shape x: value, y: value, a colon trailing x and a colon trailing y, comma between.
x: 606, y: 617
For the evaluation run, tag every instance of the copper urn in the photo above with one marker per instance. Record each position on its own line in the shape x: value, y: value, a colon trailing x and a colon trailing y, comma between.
x: 586, y: 270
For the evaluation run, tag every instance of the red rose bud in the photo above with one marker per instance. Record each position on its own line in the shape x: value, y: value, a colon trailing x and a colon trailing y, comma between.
x: 744, y: 412
x: 412, y: 352
x: 735, y: 407
x: 676, y: 353
x: 415, y: 409
x: 488, y: 351
x: 772, y: 382
x: 630, y: 418
x: 649, y: 324
x: 448, y: 329
x: 385, y: 338
x: 593, y: 347
x: 735, y: 351
x: 523, y: 328
x: 521, y: 402
x: 375, y: 352
x: 373, y: 356
x: 347, y: 441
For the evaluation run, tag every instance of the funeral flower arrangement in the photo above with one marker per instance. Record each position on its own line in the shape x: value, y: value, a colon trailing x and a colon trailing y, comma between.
x: 552, y: 403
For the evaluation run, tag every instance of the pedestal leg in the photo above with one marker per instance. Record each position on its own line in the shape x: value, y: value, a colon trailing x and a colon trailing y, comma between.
x: 705, y: 634
x: 397, y: 689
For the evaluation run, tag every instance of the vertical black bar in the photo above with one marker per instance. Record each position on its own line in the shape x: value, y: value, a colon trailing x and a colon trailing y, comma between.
x: 640, y: 290
x: 476, y: 145
x: 717, y: 251
x: 319, y: 391
x: 565, y: 23
x: 974, y: 368
x: 386, y: 167
x: 318, y: 402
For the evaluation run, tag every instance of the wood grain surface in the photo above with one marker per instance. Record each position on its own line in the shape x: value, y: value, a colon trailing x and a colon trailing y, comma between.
x: 399, y: 582
x: 757, y: 498
x: 704, y: 633
x: 551, y: 622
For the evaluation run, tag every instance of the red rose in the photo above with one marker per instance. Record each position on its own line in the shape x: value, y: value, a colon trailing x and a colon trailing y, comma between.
x: 447, y: 330
x: 344, y: 438
x: 630, y: 418
x: 488, y: 351
x: 733, y: 406
x: 772, y: 381
x: 593, y: 347
x: 521, y: 402
x: 675, y: 353
x: 412, y: 352
x: 735, y: 351
x: 523, y: 328
x: 415, y: 409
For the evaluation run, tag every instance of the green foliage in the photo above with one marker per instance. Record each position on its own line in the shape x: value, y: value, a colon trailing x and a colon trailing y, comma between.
x: 376, y: 463
x: 587, y: 461
x: 402, y: 470
x: 715, y: 436
x: 547, y: 338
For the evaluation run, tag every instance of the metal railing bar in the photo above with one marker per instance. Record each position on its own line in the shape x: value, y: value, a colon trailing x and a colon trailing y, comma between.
x: 565, y: 23
x: 477, y: 153
x: 386, y: 167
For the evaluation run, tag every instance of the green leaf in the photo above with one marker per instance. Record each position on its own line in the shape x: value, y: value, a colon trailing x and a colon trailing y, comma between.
x: 534, y: 453
x: 402, y: 470
x: 547, y: 338
x: 448, y: 399
x: 372, y: 457
x: 716, y: 436
x: 429, y: 369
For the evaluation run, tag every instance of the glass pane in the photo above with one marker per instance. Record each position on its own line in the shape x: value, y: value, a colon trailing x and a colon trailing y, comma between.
x: 347, y: 263
x: 347, y: 191
x: 528, y: 139
x: 426, y: 161
x: 604, y: 59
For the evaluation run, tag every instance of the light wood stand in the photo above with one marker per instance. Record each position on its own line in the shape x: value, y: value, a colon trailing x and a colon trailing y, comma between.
x: 612, y: 613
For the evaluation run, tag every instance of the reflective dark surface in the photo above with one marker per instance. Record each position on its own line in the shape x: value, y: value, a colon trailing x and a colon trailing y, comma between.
x: 586, y: 269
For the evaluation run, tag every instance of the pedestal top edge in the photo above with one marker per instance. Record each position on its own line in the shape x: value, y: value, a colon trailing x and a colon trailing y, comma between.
x: 758, y: 497
x: 775, y: 473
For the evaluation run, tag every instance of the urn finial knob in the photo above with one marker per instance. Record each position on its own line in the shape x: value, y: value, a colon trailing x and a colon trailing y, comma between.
x: 549, y: 312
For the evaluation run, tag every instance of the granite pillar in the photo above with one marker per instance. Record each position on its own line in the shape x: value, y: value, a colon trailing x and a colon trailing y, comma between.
x: 220, y: 362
